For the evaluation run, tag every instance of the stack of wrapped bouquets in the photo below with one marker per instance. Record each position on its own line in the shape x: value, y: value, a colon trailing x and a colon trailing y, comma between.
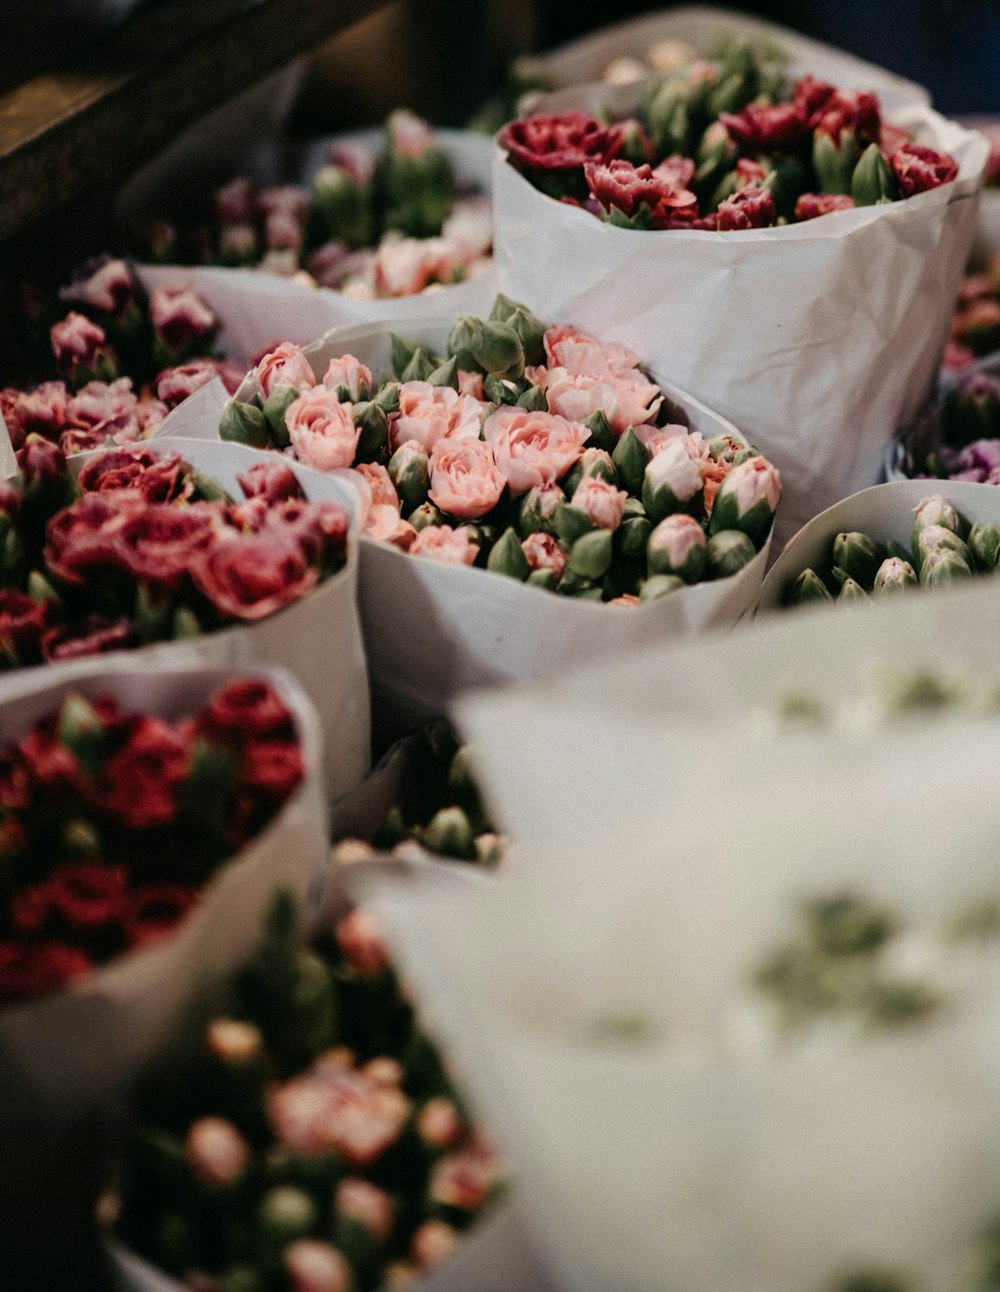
x: 716, y: 996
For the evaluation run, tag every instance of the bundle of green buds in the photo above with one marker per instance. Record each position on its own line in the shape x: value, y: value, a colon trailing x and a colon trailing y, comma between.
x: 306, y: 1137
x: 438, y: 808
x: 944, y: 547
x: 537, y: 452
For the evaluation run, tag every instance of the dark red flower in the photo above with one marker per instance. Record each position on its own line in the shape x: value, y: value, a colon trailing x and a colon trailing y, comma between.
x: 182, y: 320
x: 749, y: 208
x: 157, y: 544
x: 154, y: 910
x: 39, y: 459
x: 31, y: 969
x: 811, y: 205
x: 41, y: 411
x: 103, y: 284
x: 30, y: 909
x: 859, y: 112
x: 253, y: 575
x: 811, y: 97
x: 174, y: 385
x: 246, y: 710
x: 749, y: 172
x: 77, y: 440
x: 272, y: 769
x: 767, y: 127
x: 676, y: 172
x: 82, y: 540
x: 272, y: 480
x: 159, y: 477
x: 92, y: 635
x: 918, y: 168
x: 319, y: 528
x: 77, y: 342
x: 140, y: 785
x: 552, y: 150
x: 22, y: 622
x: 89, y: 895
x: 49, y: 768
x: 623, y: 187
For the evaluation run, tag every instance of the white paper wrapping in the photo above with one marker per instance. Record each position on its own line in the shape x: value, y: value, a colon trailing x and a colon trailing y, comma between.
x: 704, y: 28
x: 80, y: 1046
x: 817, y: 339
x: 600, y: 997
x: 259, y: 308
x: 318, y: 638
x: 433, y: 630
x: 987, y: 242
x: 885, y: 511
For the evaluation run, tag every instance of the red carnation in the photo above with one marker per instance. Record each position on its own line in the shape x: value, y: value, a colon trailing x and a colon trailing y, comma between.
x: 159, y: 478
x: 749, y: 208
x: 272, y: 480
x: 22, y: 622
x: 551, y: 151
x: 140, y: 786
x: 154, y: 910
x: 89, y: 895
x: 246, y: 710
x: 918, y: 168
x: 92, y: 635
x: 30, y: 969
x: 811, y: 205
x: 767, y: 127
x: 253, y: 575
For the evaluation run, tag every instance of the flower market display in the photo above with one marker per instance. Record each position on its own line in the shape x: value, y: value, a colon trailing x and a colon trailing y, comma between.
x: 397, y: 750
x: 114, y: 820
x: 116, y: 363
x: 373, y: 220
x: 538, y: 453
x: 140, y: 547
x: 307, y: 1136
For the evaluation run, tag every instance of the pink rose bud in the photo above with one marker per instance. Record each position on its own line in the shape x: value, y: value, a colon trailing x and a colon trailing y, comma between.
x: 747, y: 500
x: 182, y: 321
x: 542, y: 552
x: 439, y: 1124
x: 601, y: 501
x: 79, y: 347
x: 677, y: 546
x: 350, y: 373
x: 216, y: 1151
x: 234, y: 203
x: 322, y: 430
x: 385, y: 524
x: 469, y: 228
x: 314, y: 1266
x: 672, y: 479
x: 432, y: 1242
x: 283, y: 366
x: 359, y: 1200
x: 466, y: 480
x: 361, y: 942
x: 749, y: 208
x: 107, y: 286
x: 283, y: 232
x: 442, y: 543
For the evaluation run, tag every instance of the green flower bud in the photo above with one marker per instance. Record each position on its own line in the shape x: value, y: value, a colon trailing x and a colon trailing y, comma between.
x: 747, y: 499
x: 507, y: 557
x: 497, y: 349
x: 726, y: 553
x: 153, y: 619
x: 409, y: 472
x: 677, y: 546
x: 590, y: 555
x: 285, y: 1214
x: 808, y: 587
x: 388, y: 397
x: 984, y: 544
x: 425, y: 514
x: 464, y: 789
x: 420, y: 366
x: 534, y: 399
x: 499, y: 392
x: 641, y: 218
x: 892, y: 548
x: 942, y: 567
x: 241, y: 1278
x: 530, y: 331
x: 400, y: 354
x: 594, y: 463
x: 935, y: 538
x: 449, y: 833
x: 275, y: 407
x: 630, y: 457
x: 851, y: 590
x: 834, y: 162
x: 672, y: 482
x: 633, y: 536
x: 460, y: 340
x: 185, y: 625
x: 343, y: 207
x: 82, y: 732
x: 858, y: 556
x: 544, y: 578
x: 730, y: 95
x: 873, y: 181
x: 243, y: 424
x: 894, y: 575
x: 787, y: 179
x: 571, y: 523
x: 667, y: 114
x: 206, y: 798
x: 660, y: 585
x: 371, y: 420
x: 445, y: 374
x: 602, y: 435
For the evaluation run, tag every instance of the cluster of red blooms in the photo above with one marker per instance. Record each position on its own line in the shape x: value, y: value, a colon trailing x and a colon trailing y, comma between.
x: 112, y: 822
x: 142, y: 548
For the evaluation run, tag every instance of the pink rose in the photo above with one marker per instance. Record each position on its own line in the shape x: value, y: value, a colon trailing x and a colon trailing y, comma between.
x: 471, y: 384
x: 542, y: 552
x: 578, y: 352
x: 76, y: 342
x: 469, y: 228
x: 380, y: 482
x: 385, y: 524
x: 754, y: 481
x: 174, y: 385
x: 333, y: 1108
x: 442, y: 543
x: 465, y: 478
x: 430, y: 413
x: 533, y: 448
x: 249, y: 577
x: 233, y: 202
x: 464, y: 1179
x: 405, y: 266
x: 676, y: 465
x: 322, y: 430
x: 681, y: 540
x: 102, y: 405
x: 350, y: 372
x: 601, y: 501
x: 626, y: 398
x: 358, y: 160
x: 285, y: 365
x: 655, y: 437
x: 182, y: 319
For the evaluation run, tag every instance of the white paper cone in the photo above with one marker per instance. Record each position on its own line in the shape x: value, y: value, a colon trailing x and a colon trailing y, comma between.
x: 785, y: 331
x: 83, y: 1044
x: 259, y: 308
x: 885, y: 511
x: 704, y: 29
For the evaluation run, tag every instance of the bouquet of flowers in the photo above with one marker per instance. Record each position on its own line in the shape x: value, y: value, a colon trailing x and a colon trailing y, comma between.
x: 148, y: 808
x: 116, y: 363
x: 975, y: 325
x: 308, y: 1135
x: 887, y: 539
x: 537, y: 454
x: 707, y: 202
